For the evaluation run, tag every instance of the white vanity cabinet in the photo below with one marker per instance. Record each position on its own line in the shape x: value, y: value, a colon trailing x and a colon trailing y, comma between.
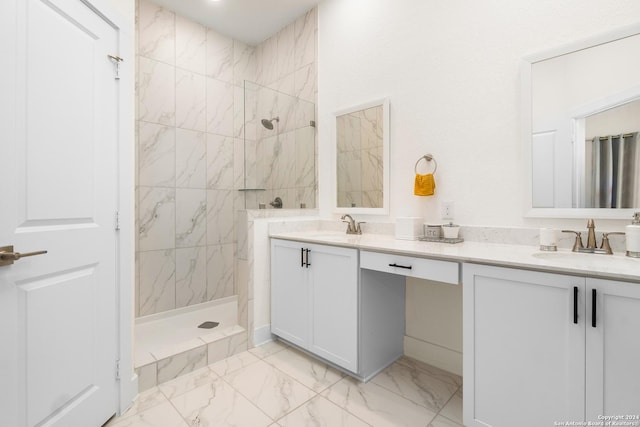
x: 613, y: 349
x: 532, y: 355
x: 314, y: 299
x: 325, y: 302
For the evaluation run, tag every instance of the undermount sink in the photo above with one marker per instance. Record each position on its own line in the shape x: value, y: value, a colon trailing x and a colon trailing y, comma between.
x: 559, y: 255
x: 334, y: 237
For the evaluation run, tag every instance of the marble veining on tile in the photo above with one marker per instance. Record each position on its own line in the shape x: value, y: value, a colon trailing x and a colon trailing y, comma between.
x: 416, y: 386
x: 191, y: 274
x: 286, y: 44
x: 265, y: 386
x: 432, y: 371
x: 219, y: 404
x: 191, y: 217
x: 220, y: 271
x: 453, y: 409
x: 188, y: 382
x: 271, y: 390
x: 305, y: 29
x: 162, y: 415
x: 157, y: 281
x: 190, y: 45
x: 144, y: 401
x: 321, y: 412
x: 156, y: 218
x: 156, y: 92
x: 227, y: 347
x: 310, y: 372
x: 219, y: 56
x: 191, y: 103
x: 244, y: 66
x: 191, y: 159
x: 219, y: 107
x: 267, y: 349
x: 156, y: 27
x: 156, y: 155
x: 173, y: 367
x: 220, y: 212
x: 377, y: 405
x: 220, y: 161
x: 234, y: 363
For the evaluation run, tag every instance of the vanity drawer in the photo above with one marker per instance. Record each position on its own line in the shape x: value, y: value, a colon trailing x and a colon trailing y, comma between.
x: 422, y: 268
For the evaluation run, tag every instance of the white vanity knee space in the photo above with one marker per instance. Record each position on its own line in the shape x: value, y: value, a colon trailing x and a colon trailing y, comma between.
x: 541, y: 348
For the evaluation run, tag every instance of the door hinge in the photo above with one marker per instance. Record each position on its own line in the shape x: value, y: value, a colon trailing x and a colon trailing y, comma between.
x: 117, y: 221
x: 118, y: 370
x: 116, y: 62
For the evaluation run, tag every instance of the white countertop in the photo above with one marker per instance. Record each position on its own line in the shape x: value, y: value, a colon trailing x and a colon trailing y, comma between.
x: 616, y: 266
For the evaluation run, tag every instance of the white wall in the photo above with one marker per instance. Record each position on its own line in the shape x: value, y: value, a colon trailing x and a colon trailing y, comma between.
x: 451, y: 71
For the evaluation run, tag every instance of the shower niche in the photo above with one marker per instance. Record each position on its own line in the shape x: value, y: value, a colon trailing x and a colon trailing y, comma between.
x: 279, y: 150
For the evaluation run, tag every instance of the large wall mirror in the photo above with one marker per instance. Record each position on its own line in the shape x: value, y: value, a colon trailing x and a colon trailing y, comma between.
x: 582, y: 128
x: 362, y: 158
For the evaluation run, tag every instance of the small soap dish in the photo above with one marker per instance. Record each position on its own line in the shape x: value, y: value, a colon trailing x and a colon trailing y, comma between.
x: 441, y: 239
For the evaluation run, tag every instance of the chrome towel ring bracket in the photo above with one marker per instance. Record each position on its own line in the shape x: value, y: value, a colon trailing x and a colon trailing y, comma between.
x: 427, y: 158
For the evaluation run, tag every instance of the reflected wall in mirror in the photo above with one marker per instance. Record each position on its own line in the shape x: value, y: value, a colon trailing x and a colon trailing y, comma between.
x: 584, y: 115
x: 361, y: 147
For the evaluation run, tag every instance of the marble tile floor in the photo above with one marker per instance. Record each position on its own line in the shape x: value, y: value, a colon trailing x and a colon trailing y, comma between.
x: 275, y: 385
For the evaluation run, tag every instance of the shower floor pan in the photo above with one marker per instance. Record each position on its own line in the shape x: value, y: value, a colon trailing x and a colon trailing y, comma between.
x: 170, y: 344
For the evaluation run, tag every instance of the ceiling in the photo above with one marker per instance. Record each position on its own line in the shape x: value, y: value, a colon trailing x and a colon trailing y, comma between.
x: 250, y: 21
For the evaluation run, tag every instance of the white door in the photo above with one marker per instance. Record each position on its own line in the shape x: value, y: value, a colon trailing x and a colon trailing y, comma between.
x: 523, y: 347
x: 290, y: 291
x: 333, y: 283
x: 58, y: 189
x: 613, y: 371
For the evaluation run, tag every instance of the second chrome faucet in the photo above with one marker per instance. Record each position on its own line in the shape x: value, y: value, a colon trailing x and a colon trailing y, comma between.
x: 352, y: 226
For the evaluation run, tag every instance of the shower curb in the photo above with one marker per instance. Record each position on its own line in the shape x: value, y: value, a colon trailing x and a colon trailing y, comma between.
x: 211, y: 348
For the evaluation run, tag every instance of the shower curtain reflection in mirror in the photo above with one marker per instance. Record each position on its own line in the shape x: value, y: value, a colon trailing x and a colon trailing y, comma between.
x: 613, y: 163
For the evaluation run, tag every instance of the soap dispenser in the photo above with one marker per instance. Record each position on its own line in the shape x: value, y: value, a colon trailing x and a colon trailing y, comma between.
x: 633, y: 236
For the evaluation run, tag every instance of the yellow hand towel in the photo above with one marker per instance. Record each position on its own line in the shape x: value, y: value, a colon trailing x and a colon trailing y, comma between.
x: 424, y: 185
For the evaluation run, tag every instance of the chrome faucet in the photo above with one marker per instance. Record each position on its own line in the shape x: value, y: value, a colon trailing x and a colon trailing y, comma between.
x: 352, y: 226
x: 592, y: 246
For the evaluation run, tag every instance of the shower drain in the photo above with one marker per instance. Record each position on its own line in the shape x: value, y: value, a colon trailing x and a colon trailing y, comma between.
x: 208, y: 325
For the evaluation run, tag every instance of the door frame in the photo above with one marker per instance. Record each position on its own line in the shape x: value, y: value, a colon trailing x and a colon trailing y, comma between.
x: 125, y: 258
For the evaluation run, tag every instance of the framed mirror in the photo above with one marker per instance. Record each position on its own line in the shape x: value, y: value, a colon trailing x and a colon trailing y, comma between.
x: 581, y: 132
x: 362, y: 158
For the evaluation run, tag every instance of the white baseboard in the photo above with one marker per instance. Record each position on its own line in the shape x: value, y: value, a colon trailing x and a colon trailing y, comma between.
x: 262, y: 335
x: 435, y: 355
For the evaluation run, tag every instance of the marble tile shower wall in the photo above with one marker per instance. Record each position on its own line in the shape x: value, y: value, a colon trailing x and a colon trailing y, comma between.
x: 283, y: 160
x: 190, y: 161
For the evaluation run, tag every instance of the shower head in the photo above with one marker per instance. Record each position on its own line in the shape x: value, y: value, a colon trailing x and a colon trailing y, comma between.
x: 269, y: 123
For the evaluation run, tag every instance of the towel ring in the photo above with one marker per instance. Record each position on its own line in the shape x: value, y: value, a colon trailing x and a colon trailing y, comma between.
x: 428, y: 158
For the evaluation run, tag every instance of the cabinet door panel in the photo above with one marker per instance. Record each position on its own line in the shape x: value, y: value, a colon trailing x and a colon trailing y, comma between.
x: 289, y: 293
x: 523, y: 355
x: 334, y: 289
x: 613, y: 347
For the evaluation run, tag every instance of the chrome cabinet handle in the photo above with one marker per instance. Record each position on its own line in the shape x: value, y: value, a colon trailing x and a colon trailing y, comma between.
x: 8, y: 256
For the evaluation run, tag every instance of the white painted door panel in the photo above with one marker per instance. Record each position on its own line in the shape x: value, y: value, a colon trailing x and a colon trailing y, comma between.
x: 289, y: 292
x: 58, y: 157
x: 334, y: 304
x: 613, y: 371
x: 523, y: 354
